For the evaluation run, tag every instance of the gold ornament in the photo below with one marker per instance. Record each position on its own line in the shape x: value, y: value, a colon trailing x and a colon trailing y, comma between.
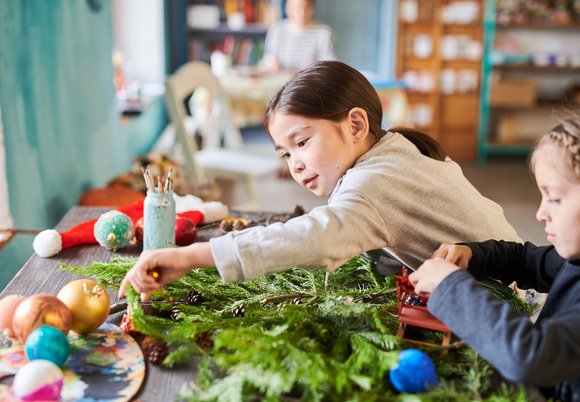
x: 88, y: 303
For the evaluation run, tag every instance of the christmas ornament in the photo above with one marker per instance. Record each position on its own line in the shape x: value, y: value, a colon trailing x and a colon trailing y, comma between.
x: 185, y: 231
x: 194, y: 298
x: 7, y: 307
x: 414, y: 373
x: 47, y: 343
x: 113, y: 230
x: 88, y: 303
x: 39, y: 380
x: 37, y: 310
x: 154, y: 349
x: 139, y: 231
x: 50, y: 242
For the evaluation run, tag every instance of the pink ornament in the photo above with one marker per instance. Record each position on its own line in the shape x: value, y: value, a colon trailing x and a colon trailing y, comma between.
x: 39, y: 380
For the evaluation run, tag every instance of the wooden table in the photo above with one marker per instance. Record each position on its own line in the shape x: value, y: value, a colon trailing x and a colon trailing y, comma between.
x: 42, y: 275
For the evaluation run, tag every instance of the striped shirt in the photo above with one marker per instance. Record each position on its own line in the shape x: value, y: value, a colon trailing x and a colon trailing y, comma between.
x: 295, y: 48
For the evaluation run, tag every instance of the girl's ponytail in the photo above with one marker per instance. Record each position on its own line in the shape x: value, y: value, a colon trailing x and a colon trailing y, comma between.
x: 427, y: 145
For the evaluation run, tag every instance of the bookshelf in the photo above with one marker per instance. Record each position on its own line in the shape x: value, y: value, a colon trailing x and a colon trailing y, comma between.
x: 439, y: 48
x: 244, y: 42
x: 529, y: 52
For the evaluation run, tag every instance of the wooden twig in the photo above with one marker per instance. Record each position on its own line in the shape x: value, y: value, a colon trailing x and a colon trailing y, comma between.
x: 282, y: 297
x: 20, y: 231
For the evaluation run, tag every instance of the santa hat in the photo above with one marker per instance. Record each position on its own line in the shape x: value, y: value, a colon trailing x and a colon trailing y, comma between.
x: 50, y: 242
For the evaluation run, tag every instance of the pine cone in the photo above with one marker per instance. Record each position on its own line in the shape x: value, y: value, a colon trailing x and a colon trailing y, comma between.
x: 238, y: 225
x: 154, y: 349
x: 226, y: 225
x: 175, y: 312
x: 239, y: 311
x: 204, y: 340
x: 194, y: 298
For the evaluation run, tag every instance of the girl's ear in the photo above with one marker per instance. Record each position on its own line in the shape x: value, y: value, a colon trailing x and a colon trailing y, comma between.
x: 359, y: 123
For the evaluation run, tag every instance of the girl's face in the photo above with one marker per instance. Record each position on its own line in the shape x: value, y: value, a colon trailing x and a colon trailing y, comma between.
x: 560, y: 206
x: 318, y: 151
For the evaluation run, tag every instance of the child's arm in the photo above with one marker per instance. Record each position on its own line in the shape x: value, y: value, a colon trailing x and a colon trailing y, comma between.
x: 541, y: 354
x: 168, y: 264
x: 530, y: 266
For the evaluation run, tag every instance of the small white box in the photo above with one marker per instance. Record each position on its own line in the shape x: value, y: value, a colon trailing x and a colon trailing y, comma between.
x: 203, y: 16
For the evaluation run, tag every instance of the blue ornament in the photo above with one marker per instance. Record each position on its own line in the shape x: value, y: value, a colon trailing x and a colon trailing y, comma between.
x: 414, y: 373
x: 47, y: 343
x: 113, y: 230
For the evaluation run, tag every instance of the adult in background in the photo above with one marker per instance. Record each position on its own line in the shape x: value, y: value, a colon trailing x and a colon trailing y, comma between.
x: 299, y: 40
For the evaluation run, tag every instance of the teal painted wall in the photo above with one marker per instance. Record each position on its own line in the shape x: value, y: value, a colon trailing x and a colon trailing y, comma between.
x: 61, y: 129
x: 365, y: 32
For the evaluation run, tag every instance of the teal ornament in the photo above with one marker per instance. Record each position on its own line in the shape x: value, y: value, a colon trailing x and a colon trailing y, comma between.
x: 414, y: 373
x: 113, y: 230
x: 47, y: 343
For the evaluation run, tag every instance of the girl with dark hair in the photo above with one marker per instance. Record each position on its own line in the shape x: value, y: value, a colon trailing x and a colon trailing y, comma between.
x: 546, y: 353
x: 385, y: 190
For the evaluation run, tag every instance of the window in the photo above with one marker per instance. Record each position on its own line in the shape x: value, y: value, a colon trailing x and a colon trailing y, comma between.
x: 5, y: 217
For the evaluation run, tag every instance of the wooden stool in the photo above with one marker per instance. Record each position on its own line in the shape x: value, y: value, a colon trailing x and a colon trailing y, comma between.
x: 416, y: 315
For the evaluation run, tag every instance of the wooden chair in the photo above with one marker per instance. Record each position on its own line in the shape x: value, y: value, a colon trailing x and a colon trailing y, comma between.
x: 416, y: 315
x: 222, y: 154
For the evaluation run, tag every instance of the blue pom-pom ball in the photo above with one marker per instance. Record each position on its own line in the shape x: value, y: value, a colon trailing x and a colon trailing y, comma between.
x: 114, y: 230
x: 414, y: 373
x: 47, y: 343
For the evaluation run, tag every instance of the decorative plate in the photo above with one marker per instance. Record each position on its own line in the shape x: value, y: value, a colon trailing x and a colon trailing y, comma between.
x: 104, y: 366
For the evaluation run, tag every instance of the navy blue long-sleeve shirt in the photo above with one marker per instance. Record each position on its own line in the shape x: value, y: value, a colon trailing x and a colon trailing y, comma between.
x: 546, y: 353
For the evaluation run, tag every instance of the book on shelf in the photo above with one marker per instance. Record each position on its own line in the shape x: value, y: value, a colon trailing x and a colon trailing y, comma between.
x: 261, y: 12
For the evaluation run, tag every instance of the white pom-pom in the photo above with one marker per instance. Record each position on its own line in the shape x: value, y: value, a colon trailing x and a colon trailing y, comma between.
x: 187, y: 202
x: 47, y: 243
x: 213, y: 211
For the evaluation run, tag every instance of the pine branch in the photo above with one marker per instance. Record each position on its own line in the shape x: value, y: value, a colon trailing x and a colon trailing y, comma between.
x: 295, y: 339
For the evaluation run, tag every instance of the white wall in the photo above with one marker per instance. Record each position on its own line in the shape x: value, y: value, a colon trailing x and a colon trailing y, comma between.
x: 138, y: 33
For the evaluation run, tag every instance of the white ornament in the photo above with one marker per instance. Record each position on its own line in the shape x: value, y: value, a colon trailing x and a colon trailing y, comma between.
x: 38, y: 380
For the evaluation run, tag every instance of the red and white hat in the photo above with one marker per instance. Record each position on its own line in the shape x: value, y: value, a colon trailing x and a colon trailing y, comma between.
x: 50, y: 242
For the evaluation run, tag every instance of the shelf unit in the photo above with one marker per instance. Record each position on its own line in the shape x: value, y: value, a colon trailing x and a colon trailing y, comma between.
x: 441, y: 63
x: 244, y: 45
x: 498, y: 129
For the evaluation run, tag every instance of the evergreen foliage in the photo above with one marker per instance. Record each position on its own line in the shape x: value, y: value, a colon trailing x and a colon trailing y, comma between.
x: 297, y: 339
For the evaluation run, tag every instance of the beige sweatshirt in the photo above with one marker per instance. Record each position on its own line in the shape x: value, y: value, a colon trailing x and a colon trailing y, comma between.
x: 393, y: 196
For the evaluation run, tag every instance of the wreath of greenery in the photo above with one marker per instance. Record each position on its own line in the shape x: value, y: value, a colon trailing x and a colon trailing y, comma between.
x: 288, y: 337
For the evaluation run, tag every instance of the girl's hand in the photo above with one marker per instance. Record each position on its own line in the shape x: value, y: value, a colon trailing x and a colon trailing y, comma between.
x: 156, y: 268
x: 430, y: 274
x: 454, y: 253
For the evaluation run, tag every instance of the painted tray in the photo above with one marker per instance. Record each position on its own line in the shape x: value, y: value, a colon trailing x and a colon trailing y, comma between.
x: 105, y: 365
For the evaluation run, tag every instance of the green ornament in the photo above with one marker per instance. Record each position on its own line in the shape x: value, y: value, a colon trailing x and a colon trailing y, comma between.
x: 113, y: 230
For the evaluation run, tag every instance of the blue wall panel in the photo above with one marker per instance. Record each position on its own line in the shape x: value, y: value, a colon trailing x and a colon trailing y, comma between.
x: 61, y: 127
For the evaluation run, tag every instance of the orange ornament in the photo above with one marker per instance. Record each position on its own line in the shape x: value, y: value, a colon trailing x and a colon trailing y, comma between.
x: 37, y: 310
